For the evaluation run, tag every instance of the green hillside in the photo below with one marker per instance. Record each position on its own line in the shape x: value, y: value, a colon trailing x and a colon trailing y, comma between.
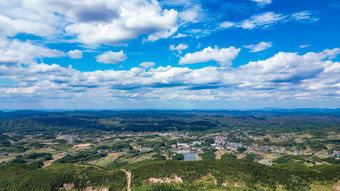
x: 22, y: 177
x: 235, y: 172
x: 193, y: 175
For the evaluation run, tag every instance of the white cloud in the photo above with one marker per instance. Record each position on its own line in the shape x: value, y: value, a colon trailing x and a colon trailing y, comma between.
x: 263, y: 2
x: 162, y: 34
x: 179, y: 35
x: 227, y: 24
x: 75, y: 54
x: 199, y: 33
x: 223, y: 56
x: 182, y: 3
x: 89, y: 22
x: 192, y: 15
x: 283, y: 77
x: 179, y: 47
x: 304, y: 45
x: 328, y: 53
x: 133, y: 19
x: 111, y: 57
x: 15, y: 51
x: 30, y: 17
x: 265, y: 20
x: 259, y: 47
x: 147, y: 64
x: 197, y: 97
x: 12, y: 26
x: 303, y: 16
x: 287, y: 67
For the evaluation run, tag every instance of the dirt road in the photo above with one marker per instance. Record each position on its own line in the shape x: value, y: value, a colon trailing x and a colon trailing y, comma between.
x: 128, y: 174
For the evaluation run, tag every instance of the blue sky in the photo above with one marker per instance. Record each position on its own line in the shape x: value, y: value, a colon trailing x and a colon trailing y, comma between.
x: 180, y: 54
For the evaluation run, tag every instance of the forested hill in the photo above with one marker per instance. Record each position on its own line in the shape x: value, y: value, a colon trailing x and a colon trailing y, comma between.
x: 152, y: 120
x: 182, y: 176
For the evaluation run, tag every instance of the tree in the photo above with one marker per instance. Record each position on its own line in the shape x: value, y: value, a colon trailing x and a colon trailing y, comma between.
x: 228, y: 156
x: 6, y: 143
x: 241, y: 149
x: 249, y: 157
x: 207, y: 155
x: 158, y: 157
x: 37, y: 164
x: 209, y: 141
x: 178, y: 157
x: 266, y: 139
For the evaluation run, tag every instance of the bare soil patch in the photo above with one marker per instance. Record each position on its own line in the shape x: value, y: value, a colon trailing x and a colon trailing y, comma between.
x: 176, y: 179
x: 82, y: 145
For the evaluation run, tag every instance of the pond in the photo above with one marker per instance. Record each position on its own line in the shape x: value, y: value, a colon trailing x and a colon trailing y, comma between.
x: 189, y: 156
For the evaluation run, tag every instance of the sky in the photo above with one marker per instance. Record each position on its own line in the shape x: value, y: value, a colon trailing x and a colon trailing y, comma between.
x: 178, y: 54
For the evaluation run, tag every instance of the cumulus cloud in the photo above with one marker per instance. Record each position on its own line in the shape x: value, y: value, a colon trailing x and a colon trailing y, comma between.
x: 162, y: 34
x: 147, y: 64
x: 265, y: 20
x: 89, y: 22
x: 30, y: 17
x: 259, y: 47
x: 75, y: 54
x: 11, y: 26
x: 133, y: 18
x: 223, y: 56
x: 111, y: 57
x: 15, y: 51
x: 288, y: 67
x: 179, y: 47
x: 285, y: 76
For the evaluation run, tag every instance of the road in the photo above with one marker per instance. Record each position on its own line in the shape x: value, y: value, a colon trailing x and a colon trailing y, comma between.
x: 128, y: 174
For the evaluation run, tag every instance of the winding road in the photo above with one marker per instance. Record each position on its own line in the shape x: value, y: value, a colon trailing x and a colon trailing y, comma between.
x: 128, y: 174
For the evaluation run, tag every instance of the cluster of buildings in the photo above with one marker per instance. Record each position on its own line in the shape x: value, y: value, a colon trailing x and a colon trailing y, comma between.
x: 298, y: 152
x: 193, y: 146
x: 335, y: 154
x: 144, y: 149
x: 285, y: 137
x: 70, y: 138
x: 178, y: 134
x: 6, y: 154
x: 221, y: 142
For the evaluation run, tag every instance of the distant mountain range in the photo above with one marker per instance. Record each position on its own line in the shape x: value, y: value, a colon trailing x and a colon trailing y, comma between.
x: 19, y: 114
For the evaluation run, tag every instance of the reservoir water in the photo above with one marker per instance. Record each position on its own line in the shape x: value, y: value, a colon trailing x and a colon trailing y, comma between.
x: 189, y: 156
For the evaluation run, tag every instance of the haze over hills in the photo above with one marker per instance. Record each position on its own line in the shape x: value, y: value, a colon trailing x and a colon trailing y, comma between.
x: 10, y: 114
